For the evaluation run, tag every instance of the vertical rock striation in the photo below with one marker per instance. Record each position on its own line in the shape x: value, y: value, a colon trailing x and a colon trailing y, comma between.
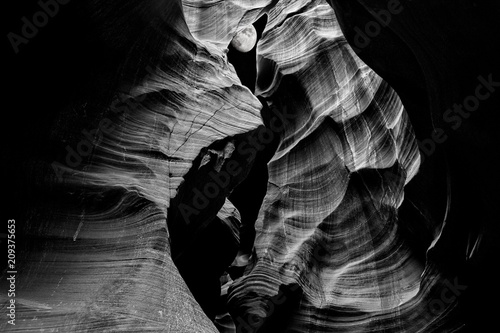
x: 329, y: 227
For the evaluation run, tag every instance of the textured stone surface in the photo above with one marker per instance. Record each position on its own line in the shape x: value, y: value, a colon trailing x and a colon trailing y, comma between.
x: 358, y: 231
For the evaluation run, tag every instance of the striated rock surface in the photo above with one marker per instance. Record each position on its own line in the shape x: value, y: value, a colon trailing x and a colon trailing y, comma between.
x: 441, y: 69
x: 98, y: 256
x: 136, y: 226
x: 329, y: 224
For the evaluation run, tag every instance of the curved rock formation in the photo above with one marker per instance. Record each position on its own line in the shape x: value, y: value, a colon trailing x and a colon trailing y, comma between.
x: 441, y: 57
x: 99, y: 256
x: 141, y: 224
x: 329, y: 224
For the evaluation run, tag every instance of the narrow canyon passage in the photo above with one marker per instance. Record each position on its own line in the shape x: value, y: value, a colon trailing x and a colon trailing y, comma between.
x: 340, y: 175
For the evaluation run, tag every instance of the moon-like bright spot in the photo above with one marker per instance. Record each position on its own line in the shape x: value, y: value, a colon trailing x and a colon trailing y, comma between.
x: 245, y: 39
